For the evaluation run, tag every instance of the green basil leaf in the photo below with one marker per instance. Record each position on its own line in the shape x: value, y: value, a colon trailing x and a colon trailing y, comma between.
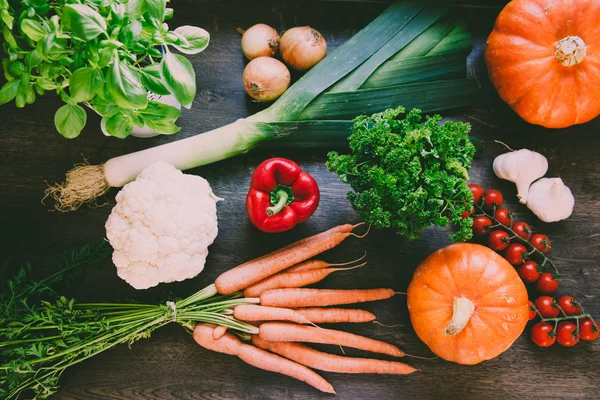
x: 5, y: 66
x: 17, y: 68
x: 135, y: 8
x: 104, y: 107
x: 39, y: 90
x: 175, y: 39
x: 179, y: 77
x: 125, y: 86
x: 9, y: 38
x: 46, y: 84
x: 162, y: 126
x: 119, y: 126
x: 7, y: 18
x: 83, y: 84
x: 34, y: 58
x: 131, y: 33
x: 118, y: 11
x: 156, y: 9
x: 158, y: 111
x: 29, y: 95
x: 152, y: 79
x: 197, y: 39
x: 168, y: 13
x: 33, y: 29
x: 70, y: 120
x: 104, y: 56
x: 83, y: 21
x: 9, y: 91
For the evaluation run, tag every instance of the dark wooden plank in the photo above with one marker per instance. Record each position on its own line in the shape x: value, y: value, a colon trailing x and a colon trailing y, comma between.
x: 169, y: 365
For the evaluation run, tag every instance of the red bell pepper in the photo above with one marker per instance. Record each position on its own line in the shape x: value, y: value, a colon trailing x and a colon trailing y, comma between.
x: 281, y: 195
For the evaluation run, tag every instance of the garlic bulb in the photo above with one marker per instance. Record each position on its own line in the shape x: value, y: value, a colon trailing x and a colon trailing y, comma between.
x: 521, y: 167
x: 550, y: 200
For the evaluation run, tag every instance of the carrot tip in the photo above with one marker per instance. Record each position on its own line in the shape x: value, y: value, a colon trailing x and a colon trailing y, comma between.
x: 404, y: 293
x: 421, y: 358
x: 349, y: 262
x: 388, y: 326
x: 363, y: 235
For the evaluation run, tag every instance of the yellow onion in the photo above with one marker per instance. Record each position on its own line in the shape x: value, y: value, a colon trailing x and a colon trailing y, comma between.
x: 260, y: 40
x: 302, y: 47
x: 266, y: 78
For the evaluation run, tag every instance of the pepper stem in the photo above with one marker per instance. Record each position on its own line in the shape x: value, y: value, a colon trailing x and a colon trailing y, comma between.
x: 282, y: 200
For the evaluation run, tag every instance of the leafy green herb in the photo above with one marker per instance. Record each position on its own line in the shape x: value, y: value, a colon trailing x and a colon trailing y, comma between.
x: 408, y: 173
x: 105, y: 54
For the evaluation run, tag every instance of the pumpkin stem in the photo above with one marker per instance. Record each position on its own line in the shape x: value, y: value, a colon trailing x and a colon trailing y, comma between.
x: 570, y: 51
x: 462, y: 311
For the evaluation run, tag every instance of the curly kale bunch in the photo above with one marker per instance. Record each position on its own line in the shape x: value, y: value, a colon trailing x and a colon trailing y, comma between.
x: 408, y: 173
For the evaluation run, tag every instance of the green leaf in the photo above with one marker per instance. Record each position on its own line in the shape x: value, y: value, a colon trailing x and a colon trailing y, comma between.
x: 179, y: 77
x: 9, y: 38
x: 104, y: 107
x: 7, y: 18
x: 157, y: 111
x: 83, y: 21
x: 70, y: 120
x: 124, y: 84
x: 152, y: 79
x: 33, y: 29
x: 46, y: 84
x: 5, y: 66
x: 168, y: 13
x: 162, y: 126
x: 83, y: 84
x: 131, y: 33
x: 197, y: 39
x: 9, y: 91
x: 135, y: 8
x: 119, y: 126
x: 34, y: 58
x: 156, y: 9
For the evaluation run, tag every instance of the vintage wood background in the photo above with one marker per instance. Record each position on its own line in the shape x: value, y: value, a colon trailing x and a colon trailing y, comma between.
x: 170, y: 365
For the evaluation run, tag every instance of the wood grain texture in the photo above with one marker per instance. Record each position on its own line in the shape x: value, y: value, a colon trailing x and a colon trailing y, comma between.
x: 169, y: 365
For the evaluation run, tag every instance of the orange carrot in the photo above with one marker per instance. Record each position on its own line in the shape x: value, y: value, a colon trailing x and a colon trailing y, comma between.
x: 253, y: 313
x: 292, y: 280
x: 296, y: 298
x: 329, y: 362
x: 322, y: 315
x: 286, y: 332
x: 246, y: 274
x: 219, y: 331
x: 230, y: 344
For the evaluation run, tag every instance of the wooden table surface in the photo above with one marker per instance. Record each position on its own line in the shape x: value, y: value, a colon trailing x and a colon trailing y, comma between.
x: 169, y: 365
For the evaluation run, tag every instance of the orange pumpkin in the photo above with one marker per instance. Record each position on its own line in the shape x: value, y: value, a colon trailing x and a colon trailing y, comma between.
x: 467, y: 303
x: 543, y: 58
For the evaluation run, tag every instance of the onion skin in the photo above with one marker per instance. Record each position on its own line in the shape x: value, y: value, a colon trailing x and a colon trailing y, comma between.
x: 266, y: 78
x: 302, y: 47
x: 260, y: 40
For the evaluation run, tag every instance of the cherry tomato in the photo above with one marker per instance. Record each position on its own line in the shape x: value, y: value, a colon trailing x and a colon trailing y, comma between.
x: 546, y: 284
x: 588, y: 329
x: 532, y: 312
x: 504, y: 216
x: 467, y: 214
x: 529, y: 272
x: 547, y: 306
x: 541, y: 242
x: 567, y: 334
x: 477, y: 192
x: 498, y: 240
x: 481, y: 225
x: 522, y: 229
x: 516, y: 253
x: 491, y: 198
x: 543, y: 334
x: 569, y: 305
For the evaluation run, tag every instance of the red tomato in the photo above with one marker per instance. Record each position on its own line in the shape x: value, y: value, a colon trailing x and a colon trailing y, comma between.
x: 498, y: 240
x: 546, y: 284
x: 481, y: 225
x: 522, y: 229
x: 491, y: 198
x: 543, y: 334
x: 477, y: 192
x: 532, y: 312
x: 566, y: 334
x: 466, y: 214
x: 504, y: 216
x: 541, y: 242
x: 516, y: 253
x: 588, y: 329
x: 529, y: 272
x: 569, y: 305
x: 547, y: 307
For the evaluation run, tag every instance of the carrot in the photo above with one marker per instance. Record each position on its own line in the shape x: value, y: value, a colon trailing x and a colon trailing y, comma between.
x: 318, y: 264
x: 246, y: 274
x: 253, y: 313
x: 295, y: 298
x: 292, y: 280
x: 332, y: 363
x: 230, y: 344
x: 322, y: 315
x: 219, y: 331
x: 286, y: 332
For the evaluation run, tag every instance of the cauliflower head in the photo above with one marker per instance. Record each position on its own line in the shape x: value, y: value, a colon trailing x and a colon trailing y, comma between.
x: 162, y: 226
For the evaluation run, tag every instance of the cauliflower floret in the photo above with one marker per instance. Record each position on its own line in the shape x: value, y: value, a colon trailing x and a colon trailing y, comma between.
x: 162, y: 226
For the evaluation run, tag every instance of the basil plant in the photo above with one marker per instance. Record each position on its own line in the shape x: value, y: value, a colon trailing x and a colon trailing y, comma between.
x: 104, y: 54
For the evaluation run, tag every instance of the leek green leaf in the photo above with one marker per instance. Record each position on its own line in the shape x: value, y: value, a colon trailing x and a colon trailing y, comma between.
x: 70, y: 120
x: 179, y: 77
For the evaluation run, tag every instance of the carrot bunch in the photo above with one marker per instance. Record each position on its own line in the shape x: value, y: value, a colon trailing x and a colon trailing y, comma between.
x: 284, y: 311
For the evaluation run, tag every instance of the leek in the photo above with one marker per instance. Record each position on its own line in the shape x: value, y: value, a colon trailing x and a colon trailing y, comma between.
x: 394, y: 62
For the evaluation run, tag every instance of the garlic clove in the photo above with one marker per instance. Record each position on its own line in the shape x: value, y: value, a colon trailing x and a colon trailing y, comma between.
x: 521, y: 167
x: 550, y: 200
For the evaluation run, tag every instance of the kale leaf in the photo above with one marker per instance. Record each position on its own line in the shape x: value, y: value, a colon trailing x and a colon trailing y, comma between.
x: 408, y: 173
